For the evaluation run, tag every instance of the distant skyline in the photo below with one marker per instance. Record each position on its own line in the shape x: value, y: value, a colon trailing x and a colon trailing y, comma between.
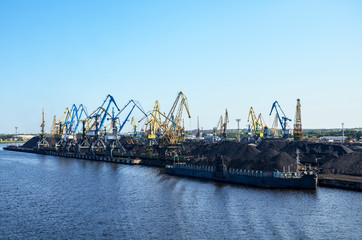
x: 221, y: 54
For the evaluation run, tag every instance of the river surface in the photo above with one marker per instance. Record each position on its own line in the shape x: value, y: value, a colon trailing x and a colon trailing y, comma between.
x: 47, y: 197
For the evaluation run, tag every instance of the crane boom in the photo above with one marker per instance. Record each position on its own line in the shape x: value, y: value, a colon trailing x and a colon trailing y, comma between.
x: 256, y: 124
x: 283, y: 119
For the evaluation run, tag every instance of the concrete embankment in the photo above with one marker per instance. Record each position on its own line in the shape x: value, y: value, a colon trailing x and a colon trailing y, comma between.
x: 340, y: 181
x: 132, y: 160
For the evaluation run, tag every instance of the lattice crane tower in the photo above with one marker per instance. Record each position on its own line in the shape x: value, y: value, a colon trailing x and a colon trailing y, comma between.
x: 298, y: 132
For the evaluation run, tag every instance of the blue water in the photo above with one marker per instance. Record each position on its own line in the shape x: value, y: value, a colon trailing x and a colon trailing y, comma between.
x: 46, y: 197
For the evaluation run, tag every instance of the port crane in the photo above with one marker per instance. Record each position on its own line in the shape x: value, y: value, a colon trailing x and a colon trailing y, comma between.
x: 96, y: 122
x: 63, y: 122
x: 113, y: 139
x: 42, y: 141
x: 153, y: 124
x: 67, y: 126
x: 73, y: 116
x: 76, y: 118
x: 99, y: 116
x: 134, y: 104
x: 81, y: 109
x: 222, y: 125
x: 225, y: 124
x: 217, y: 131
x: 173, y: 130
x: 283, y: 119
x: 55, y: 128
x: 258, y: 129
x: 298, y: 131
x: 134, y: 127
x: 263, y: 125
x: 62, y: 129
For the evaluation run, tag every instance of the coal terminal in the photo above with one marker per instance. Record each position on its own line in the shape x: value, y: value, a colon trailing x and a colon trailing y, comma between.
x: 327, y: 159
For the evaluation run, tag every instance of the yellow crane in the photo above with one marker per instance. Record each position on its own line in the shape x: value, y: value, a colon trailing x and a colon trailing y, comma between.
x: 225, y: 124
x: 134, y: 127
x: 263, y: 125
x: 61, y: 124
x: 254, y: 121
x: 154, y: 123
x: 219, y: 125
x: 173, y: 130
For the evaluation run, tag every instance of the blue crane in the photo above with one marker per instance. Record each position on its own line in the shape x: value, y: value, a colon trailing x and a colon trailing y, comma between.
x: 111, y: 99
x: 105, y: 113
x: 69, y: 120
x: 75, y: 115
x: 82, y: 110
x: 283, y: 120
x: 113, y: 119
x: 135, y: 104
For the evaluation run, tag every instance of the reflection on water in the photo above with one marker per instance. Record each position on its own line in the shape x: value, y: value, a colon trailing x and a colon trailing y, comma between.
x: 52, y: 197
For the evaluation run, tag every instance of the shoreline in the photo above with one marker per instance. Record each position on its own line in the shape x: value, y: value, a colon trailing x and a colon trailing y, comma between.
x: 324, y: 180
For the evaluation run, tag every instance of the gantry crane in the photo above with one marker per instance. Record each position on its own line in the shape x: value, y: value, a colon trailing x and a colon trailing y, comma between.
x: 283, y: 119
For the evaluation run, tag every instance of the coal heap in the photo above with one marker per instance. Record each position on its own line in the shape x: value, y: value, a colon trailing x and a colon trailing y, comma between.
x: 309, y: 152
x: 32, y: 143
x: 349, y: 164
x: 271, y: 154
x: 265, y: 157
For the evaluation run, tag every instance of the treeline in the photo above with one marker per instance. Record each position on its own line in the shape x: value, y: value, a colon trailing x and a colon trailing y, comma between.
x: 349, y: 133
x: 6, y: 136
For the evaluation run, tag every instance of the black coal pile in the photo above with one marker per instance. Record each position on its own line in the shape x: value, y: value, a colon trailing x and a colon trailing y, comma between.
x: 310, y: 152
x: 273, y: 154
x: 33, y: 142
x: 133, y: 145
x: 275, y: 144
x: 243, y: 156
x: 349, y: 164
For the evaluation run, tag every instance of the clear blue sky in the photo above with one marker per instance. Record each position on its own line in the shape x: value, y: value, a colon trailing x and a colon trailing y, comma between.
x: 221, y: 54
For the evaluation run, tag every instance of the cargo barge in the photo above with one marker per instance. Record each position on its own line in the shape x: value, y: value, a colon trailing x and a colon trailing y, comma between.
x: 291, y: 180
